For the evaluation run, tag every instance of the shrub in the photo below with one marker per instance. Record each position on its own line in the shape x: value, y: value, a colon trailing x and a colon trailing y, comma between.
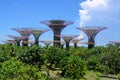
x: 32, y: 55
x: 55, y: 55
x: 75, y: 68
x: 16, y: 70
x: 118, y: 76
x: 92, y: 61
x: 4, y: 57
x: 5, y: 52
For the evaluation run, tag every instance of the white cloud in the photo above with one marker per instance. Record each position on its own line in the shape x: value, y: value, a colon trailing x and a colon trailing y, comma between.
x: 91, y: 8
x: 94, y: 4
x: 98, y: 10
x: 100, y: 13
x: 84, y: 17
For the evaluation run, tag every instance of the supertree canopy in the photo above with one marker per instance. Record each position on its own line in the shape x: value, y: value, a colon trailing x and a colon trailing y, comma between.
x: 11, y: 42
x: 91, y: 32
x: 25, y: 33
x: 37, y: 33
x: 57, y: 26
x: 16, y: 38
x: 67, y: 39
x: 47, y: 43
x: 76, y: 41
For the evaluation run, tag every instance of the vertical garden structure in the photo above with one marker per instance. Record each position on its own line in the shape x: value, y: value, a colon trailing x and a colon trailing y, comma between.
x: 91, y: 32
x: 31, y: 43
x: 62, y: 44
x: 37, y: 33
x: 47, y: 43
x: 25, y: 33
x: 67, y: 39
x: 76, y: 41
x: 57, y: 26
x: 11, y: 42
x: 16, y: 38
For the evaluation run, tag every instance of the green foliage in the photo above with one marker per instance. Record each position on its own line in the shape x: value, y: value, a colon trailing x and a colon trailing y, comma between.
x: 73, y: 63
x: 118, y: 76
x: 111, y: 58
x: 55, y: 55
x: 5, y: 52
x: 4, y: 57
x: 16, y: 70
x: 75, y: 68
x: 32, y: 55
x: 102, y: 68
x: 92, y: 61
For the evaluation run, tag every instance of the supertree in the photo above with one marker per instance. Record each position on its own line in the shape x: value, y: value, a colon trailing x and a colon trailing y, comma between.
x: 25, y: 33
x: 57, y: 26
x: 67, y: 39
x: 62, y: 44
x: 76, y: 41
x: 91, y: 32
x: 47, y: 43
x: 11, y: 42
x: 116, y: 43
x: 31, y: 43
x: 37, y: 33
x: 16, y: 38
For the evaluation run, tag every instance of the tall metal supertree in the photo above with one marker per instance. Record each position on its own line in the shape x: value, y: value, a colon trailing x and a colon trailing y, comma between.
x: 47, y: 43
x: 57, y: 26
x: 37, y: 33
x: 25, y: 33
x: 116, y: 43
x: 62, y: 44
x: 11, y: 42
x: 91, y: 32
x: 67, y: 39
x: 31, y: 43
x: 76, y: 41
x: 16, y: 38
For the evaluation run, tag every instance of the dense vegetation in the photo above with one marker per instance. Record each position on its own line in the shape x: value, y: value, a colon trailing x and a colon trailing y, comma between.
x: 40, y: 63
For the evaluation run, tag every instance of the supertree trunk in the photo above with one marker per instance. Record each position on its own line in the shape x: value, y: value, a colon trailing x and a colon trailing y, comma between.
x: 91, y: 43
x: 25, y: 42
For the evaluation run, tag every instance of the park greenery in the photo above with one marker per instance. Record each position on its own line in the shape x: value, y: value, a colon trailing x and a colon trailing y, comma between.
x: 41, y: 63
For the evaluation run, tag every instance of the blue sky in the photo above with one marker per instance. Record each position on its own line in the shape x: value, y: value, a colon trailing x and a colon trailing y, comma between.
x: 29, y: 13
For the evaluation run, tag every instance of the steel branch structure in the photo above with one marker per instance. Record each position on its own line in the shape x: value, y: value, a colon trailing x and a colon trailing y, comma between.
x: 16, y: 38
x: 62, y: 44
x: 25, y: 33
x: 67, y: 39
x: 47, y: 43
x: 91, y: 32
x: 76, y: 41
x: 57, y: 26
x: 11, y: 42
x: 37, y: 33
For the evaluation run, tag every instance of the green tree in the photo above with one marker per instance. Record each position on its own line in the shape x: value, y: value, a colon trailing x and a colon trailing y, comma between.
x: 55, y: 55
x: 32, y: 55
x: 13, y: 69
x: 74, y: 68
